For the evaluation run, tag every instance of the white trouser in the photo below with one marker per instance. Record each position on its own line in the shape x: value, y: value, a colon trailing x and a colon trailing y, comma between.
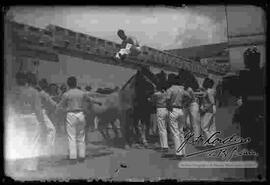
x: 208, y: 124
x: 50, y: 137
x: 129, y: 50
x: 176, y: 125
x: 194, y: 116
x: 30, y: 133
x: 162, y: 114
x: 76, y: 134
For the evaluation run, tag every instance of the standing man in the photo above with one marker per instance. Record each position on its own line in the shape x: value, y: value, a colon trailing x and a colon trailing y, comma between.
x: 73, y: 101
x: 48, y: 106
x: 192, y: 103
x: 129, y: 46
x: 28, y: 112
x: 176, y: 95
x: 208, y: 109
x: 160, y: 100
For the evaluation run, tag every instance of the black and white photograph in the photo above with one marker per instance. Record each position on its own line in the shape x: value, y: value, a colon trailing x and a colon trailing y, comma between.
x: 134, y: 93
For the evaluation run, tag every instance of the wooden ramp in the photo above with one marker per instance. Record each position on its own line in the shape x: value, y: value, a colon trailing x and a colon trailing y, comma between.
x: 47, y: 43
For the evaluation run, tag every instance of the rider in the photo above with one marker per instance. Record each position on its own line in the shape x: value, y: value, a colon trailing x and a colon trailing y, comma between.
x: 129, y: 46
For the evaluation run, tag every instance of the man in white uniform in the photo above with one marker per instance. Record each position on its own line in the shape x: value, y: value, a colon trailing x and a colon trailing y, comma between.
x: 208, y: 109
x: 160, y: 100
x: 29, y: 120
x: 176, y: 94
x: 48, y: 105
x: 74, y: 101
x: 129, y: 46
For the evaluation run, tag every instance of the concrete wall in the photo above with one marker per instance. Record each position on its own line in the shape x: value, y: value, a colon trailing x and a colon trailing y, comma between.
x: 87, y: 72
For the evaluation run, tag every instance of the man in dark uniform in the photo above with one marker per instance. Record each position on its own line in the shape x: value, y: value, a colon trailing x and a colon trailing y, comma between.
x: 252, y: 110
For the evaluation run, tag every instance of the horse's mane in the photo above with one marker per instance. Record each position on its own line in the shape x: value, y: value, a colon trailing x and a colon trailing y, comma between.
x: 128, y: 82
x: 146, y: 74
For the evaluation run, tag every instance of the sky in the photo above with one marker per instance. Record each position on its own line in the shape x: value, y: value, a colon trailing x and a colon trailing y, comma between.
x: 160, y: 27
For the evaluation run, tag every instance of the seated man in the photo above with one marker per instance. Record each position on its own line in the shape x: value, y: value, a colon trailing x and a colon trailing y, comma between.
x: 129, y: 46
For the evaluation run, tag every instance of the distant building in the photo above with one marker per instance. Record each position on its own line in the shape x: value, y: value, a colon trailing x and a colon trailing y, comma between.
x: 226, y: 54
x: 215, y: 54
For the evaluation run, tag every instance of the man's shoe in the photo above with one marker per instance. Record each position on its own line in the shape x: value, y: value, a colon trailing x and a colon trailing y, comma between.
x: 81, y: 159
x: 165, y: 150
x: 179, y: 157
x: 127, y: 147
x: 72, y: 161
x: 145, y: 145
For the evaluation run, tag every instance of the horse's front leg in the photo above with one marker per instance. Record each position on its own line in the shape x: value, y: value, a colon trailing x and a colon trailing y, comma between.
x: 115, y: 129
x: 89, y: 119
x: 124, y: 127
x: 137, y: 130
x: 103, y: 129
x: 103, y: 133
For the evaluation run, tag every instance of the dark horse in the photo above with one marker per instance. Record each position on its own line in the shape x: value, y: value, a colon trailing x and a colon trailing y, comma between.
x: 145, y: 84
x: 129, y: 105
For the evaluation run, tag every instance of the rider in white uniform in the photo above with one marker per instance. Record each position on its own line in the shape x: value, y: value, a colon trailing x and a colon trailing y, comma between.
x: 129, y: 46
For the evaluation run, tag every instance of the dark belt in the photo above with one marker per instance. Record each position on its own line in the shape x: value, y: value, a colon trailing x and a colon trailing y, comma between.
x: 177, y: 107
x: 74, y: 111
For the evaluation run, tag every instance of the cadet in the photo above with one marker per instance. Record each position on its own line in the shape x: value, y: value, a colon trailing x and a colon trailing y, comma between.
x: 208, y: 109
x: 73, y: 102
x: 176, y: 94
x: 28, y: 112
x: 48, y: 106
x: 129, y: 46
x: 160, y: 100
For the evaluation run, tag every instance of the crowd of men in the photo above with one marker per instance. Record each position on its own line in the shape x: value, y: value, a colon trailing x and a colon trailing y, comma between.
x: 178, y: 101
x: 40, y: 110
x: 38, y: 104
x: 181, y: 104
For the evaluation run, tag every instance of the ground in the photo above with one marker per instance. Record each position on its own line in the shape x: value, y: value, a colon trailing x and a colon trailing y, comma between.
x: 114, y: 163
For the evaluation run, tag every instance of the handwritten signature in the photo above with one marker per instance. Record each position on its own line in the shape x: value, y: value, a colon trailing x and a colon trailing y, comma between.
x: 226, y: 148
x: 229, y: 153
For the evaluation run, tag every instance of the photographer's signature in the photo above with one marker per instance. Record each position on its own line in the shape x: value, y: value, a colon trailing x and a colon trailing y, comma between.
x: 226, y: 148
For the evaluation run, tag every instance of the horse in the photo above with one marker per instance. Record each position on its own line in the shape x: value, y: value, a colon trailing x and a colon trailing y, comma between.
x: 120, y: 105
x: 145, y: 85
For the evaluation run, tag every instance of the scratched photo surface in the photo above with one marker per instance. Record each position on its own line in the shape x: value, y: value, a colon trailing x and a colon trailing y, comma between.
x: 134, y: 93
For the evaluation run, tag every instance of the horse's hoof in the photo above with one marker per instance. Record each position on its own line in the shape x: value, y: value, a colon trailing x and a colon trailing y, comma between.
x: 145, y: 145
x: 127, y: 147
